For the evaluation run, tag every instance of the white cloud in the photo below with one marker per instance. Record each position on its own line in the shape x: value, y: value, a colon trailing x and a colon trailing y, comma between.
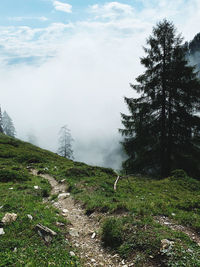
x: 60, y: 6
x: 42, y: 18
x: 83, y: 83
x: 112, y: 10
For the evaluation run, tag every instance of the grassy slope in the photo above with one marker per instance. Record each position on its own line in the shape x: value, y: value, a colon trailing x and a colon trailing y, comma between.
x: 21, y: 245
x: 134, y: 235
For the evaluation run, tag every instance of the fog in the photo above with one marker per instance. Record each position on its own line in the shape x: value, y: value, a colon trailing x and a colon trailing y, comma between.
x: 78, y: 75
x: 83, y: 88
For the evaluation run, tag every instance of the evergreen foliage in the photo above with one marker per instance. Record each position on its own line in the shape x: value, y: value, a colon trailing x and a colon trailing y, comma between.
x: 162, y: 130
x: 65, y: 143
x: 8, y: 126
x: 1, y: 122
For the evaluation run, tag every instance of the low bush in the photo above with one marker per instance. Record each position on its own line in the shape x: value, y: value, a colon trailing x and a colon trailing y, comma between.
x: 112, y: 233
x: 30, y: 158
x: 7, y: 175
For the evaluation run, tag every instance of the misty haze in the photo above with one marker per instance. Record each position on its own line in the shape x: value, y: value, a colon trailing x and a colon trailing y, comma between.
x: 100, y: 133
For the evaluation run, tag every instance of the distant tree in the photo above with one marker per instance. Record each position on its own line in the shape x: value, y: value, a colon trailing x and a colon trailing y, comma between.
x: 65, y: 143
x: 8, y: 126
x: 163, y: 125
x: 1, y: 121
x: 32, y: 139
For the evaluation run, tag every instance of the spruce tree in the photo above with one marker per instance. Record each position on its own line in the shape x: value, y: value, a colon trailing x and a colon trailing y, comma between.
x: 160, y: 129
x: 65, y: 143
x: 8, y: 126
x: 1, y: 121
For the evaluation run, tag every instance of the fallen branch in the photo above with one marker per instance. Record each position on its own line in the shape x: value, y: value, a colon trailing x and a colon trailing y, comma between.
x: 45, y: 232
x: 120, y: 177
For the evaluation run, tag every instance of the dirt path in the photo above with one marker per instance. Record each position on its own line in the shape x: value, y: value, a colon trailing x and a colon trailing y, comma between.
x: 83, y: 233
x: 163, y: 220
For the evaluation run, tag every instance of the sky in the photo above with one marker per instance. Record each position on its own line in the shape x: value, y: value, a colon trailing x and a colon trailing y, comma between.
x: 71, y: 62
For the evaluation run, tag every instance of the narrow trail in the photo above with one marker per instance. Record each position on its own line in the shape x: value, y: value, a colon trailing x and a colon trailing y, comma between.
x: 83, y: 232
x: 163, y: 220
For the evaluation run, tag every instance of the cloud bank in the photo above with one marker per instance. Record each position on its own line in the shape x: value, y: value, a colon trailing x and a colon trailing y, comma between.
x: 77, y: 73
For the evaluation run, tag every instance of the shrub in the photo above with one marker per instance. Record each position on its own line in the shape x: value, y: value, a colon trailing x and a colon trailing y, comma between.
x: 179, y: 174
x: 12, y: 176
x: 30, y: 158
x: 112, y: 233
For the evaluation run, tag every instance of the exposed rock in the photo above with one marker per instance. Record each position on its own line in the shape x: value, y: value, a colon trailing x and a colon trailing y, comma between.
x: 2, y: 231
x: 9, y: 218
x: 166, y: 244
x: 60, y: 224
x: 63, y: 180
x: 30, y: 217
x: 72, y: 254
x: 93, y: 235
x: 65, y: 211
x: 1, y: 207
x: 45, y: 232
x: 63, y: 195
x: 93, y: 260
x: 73, y: 232
x: 11, y: 188
x: 36, y: 187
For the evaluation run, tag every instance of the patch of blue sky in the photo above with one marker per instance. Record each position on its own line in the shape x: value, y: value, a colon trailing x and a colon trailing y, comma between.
x: 41, y: 13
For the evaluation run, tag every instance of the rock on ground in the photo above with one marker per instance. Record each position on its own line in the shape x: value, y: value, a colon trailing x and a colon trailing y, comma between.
x: 9, y: 218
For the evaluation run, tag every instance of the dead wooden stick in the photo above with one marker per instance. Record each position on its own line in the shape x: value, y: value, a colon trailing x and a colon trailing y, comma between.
x: 118, y: 177
x: 45, y: 232
x: 115, y: 184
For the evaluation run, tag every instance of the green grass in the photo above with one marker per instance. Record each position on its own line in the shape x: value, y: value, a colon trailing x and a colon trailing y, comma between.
x: 138, y: 199
x: 21, y: 245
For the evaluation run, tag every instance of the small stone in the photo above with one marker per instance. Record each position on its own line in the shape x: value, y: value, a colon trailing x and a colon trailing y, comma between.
x: 48, y: 238
x: 65, y: 211
x: 15, y: 250
x: 72, y: 254
x: 2, y: 231
x: 11, y: 188
x: 166, y: 244
x: 93, y: 235
x: 63, y: 180
x: 73, y: 232
x: 173, y: 214
x: 60, y: 224
x: 36, y: 187
x: 63, y: 195
x: 93, y: 260
x: 9, y: 217
x: 123, y: 262
x: 1, y: 207
x: 30, y: 217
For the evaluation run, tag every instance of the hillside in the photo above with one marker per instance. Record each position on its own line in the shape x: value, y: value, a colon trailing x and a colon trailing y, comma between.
x: 147, y: 222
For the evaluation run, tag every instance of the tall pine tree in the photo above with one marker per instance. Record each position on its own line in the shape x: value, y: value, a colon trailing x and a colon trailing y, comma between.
x: 163, y: 124
x: 8, y: 126
x: 1, y: 121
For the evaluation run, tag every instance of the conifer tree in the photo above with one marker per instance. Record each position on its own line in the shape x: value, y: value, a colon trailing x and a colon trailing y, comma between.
x: 1, y: 121
x: 159, y: 131
x: 65, y: 143
x: 8, y: 126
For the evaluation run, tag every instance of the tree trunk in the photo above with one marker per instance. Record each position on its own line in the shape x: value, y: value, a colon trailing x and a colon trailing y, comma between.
x: 163, y: 115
